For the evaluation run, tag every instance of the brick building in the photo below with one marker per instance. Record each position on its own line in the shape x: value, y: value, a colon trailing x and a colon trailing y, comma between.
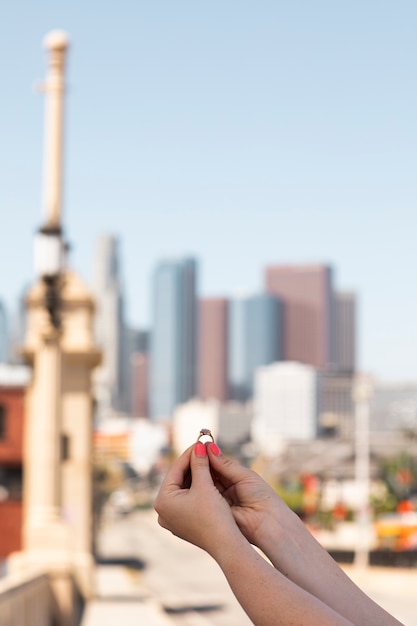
x: 13, y: 381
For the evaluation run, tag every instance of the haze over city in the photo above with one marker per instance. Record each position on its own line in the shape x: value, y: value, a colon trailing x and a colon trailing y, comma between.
x: 243, y: 134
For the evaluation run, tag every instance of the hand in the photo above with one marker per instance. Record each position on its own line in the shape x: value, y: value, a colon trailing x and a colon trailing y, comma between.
x: 253, y: 502
x: 191, y: 507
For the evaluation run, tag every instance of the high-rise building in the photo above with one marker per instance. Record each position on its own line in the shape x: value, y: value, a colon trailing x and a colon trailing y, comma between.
x: 212, y: 349
x: 344, y: 335
x: 109, y: 324
x: 239, y: 388
x: 140, y: 376
x: 306, y: 294
x: 264, y: 333
x: 17, y: 329
x: 254, y: 339
x: 140, y: 384
x: 173, y: 344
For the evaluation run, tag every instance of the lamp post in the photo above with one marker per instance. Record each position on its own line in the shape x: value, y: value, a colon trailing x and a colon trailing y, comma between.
x: 59, y: 344
x: 362, y: 394
x: 49, y: 243
x: 43, y: 521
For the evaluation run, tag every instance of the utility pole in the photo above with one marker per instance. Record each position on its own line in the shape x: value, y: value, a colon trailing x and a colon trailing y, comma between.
x: 362, y: 395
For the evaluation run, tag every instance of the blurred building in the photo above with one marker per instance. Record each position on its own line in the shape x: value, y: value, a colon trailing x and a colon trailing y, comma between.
x: 17, y: 329
x: 306, y: 293
x: 295, y: 402
x: 139, y: 362
x: 344, y: 333
x: 212, y: 349
x: 254, y: 339
x: 13, y: 382
x: 140, y: 384
x: 264, y: 333
x: 238, y: 387
x: 234, y: 425
x: 173, y: 355
x: 109, y: 326
x: 336, y: 407
x: 285, y: 404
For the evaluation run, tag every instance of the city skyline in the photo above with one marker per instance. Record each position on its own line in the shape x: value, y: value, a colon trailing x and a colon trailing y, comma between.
x: 245, y: 135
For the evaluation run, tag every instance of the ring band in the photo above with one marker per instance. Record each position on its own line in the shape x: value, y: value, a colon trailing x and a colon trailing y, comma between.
x: 205, y: 432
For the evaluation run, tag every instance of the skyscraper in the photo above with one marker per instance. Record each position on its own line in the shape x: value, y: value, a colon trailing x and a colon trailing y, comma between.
x: 306, y: 294
x: 109, y: 324
x: 254, y: 340
x: 212, y: 348
x: 344, y: 338
x: 237, y: 349
x: 173, y: 342
x: 140, y: 375
x: 264, y: 333
x: 140, y: 384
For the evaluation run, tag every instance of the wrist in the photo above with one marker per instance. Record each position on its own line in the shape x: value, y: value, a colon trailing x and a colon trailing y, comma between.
x: 226, y: 542
x: 278, y: 534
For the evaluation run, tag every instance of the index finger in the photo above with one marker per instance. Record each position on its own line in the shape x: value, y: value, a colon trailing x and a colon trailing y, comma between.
x: 176, y: 474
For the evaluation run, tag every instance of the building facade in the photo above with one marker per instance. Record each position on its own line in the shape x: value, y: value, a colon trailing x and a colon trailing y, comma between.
x: 306, y: 293
x: 344, y: 333
x: 285, y: 404
x: 212, y: 349
x: 173, y: 354
x: 140, y: 384
x: 264, y: 333
x: 13, y: 381
x: 109, y: 326
x: 254, y: 339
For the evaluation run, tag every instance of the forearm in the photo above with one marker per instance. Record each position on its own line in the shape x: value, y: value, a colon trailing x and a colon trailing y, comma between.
x: 267, y: 596
x: 293, y: 551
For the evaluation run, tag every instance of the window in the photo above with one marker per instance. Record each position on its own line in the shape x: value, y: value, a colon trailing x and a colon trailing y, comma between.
x: 2, y: 422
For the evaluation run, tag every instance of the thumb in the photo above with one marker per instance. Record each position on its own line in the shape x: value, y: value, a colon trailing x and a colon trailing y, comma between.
x: 200, y: 469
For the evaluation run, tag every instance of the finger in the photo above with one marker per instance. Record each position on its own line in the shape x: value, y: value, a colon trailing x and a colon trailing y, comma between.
x: 177, y: 473
x: 229, y: 472
x: 200, y: 468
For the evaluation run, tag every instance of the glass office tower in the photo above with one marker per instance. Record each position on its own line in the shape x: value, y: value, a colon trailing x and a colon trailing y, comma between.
x: 173, y: 343
x: 254, y: 340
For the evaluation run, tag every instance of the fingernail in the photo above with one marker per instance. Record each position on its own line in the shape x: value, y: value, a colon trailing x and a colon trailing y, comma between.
x: 215, y: 449
x: 200, y: 449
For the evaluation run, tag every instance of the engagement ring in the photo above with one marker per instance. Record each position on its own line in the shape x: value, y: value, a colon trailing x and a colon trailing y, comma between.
x: 205, y: 432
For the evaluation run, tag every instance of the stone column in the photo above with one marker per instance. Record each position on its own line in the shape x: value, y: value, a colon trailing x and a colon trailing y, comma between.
x: 42, y: 441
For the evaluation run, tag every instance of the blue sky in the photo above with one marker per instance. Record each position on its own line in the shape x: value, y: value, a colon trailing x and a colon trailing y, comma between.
x: 245, y: 133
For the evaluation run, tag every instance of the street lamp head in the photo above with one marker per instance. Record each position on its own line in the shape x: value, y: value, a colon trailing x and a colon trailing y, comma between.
x: 56, y: 40
x: 49, y: 252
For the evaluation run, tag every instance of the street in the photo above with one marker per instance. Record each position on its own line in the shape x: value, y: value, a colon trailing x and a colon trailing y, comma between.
x: 191, y: 589
x: 186, y: 581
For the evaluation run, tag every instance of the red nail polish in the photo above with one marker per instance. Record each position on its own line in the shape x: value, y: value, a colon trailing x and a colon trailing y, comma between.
x: 200, y: 449
x: 215, y: 449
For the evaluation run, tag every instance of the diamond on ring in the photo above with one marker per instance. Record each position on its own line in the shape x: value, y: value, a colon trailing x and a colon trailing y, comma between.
x: 205, y: 432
